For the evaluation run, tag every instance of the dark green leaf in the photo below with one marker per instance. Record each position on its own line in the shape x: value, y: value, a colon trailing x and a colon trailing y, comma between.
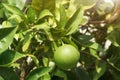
x: 82, y: 74
x: 115, y: 74
x: 38, y: 73
x: 78, y: 74
x: 84, y: 39
x: 114, y: 37
x: 100, y: 70
x: 1, y: 12
x: 8, y: 57
x: 6, y: 37
x: 8, y: 74
x: 113, y: 54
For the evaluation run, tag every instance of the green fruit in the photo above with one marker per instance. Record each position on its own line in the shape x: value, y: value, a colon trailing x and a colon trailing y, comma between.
x: 66, y: 57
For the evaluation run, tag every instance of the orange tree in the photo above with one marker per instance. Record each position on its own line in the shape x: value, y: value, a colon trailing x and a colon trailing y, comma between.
x: 59, y: 40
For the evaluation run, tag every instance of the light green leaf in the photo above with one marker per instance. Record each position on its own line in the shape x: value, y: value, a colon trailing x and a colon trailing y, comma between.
x: 13, y: 10
x: 8, y: 74
x: 38, y: 73
x: 74, y: 21
x: 18, y: 3
x: 86, y: 3
x: 6, y: 37
x: 96, y: 46
x: 1, y: 78
x: 43, y: 26
x: 94, y: 54
x: 8, y: 57
x: 15, y: 20
x: 6, y: 24
x: 44, y: 13
x: 45, y: 61
x: 84, y: 20
x: 26, y: 42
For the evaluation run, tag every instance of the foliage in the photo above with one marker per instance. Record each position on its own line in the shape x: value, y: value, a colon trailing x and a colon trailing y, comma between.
x: 32, y: 30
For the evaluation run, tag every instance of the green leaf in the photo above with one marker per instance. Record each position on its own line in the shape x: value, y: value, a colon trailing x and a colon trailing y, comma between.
x: 114, y: 37
x: 6, y: 37
x: 45, y: 77
x: 38, y: 73
x: 63, y: 17
x: 45, y: 61
x: 8, y: 57
x: 31, y: 15
x: 100, y: 70
x: 61, y: 74
x: 94, y: 54
x: 8, y: 74
x: 13, y: 10
x: 96, y: 46
x: 74, y: 21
